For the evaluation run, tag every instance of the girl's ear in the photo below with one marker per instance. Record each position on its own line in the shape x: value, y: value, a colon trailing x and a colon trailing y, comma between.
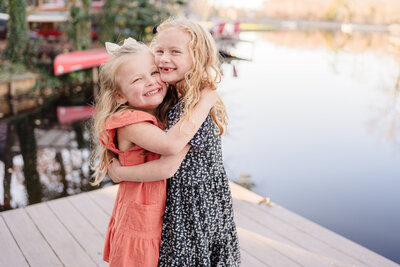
x: 120, y: 98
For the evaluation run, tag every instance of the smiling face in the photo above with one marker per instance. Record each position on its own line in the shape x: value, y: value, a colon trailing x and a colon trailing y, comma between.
x: 140, y: 83
x: 172, y: 54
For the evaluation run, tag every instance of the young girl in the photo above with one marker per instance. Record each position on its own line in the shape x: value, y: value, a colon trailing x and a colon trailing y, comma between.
x: 198, y: 228
x: 130, y: 97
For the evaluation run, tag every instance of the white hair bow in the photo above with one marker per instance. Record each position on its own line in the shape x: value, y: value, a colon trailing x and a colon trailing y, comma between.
x: 112, y: 48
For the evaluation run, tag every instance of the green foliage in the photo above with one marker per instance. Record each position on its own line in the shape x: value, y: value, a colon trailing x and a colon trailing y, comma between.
x: 332, y: 12
x: 137, y: 18
x: 107, y: 21
x: 31, y: 53
x: 8, y: 69
x: 3, y: 6
x: 17, y: 31
x: 80, y: 26
x: 81, y: 76
x: 47, y: 80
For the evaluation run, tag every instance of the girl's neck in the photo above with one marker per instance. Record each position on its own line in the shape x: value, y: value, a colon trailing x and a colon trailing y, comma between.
x: 150, y: 111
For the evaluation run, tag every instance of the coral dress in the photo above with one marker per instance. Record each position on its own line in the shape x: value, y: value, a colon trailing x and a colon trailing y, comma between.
x: 134, y: 231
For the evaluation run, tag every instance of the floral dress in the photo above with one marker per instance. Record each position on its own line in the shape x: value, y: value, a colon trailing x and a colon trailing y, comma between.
x: 198, y: 228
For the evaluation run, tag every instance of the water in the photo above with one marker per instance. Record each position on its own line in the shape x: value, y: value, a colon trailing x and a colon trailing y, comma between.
x: 314, y: 123
x: 318, y: 131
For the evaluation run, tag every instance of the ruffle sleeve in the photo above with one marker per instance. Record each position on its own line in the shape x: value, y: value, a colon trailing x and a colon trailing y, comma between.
x: 128, y: 117
x: 122, y: 119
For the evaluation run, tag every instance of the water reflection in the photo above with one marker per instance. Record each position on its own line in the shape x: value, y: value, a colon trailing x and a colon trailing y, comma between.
x: 54, y: 156
x: 386, y: 118
x: 27, y: 144
x: 333, y: 40
x: 307, y: 120
x: 386, y: 121
x: 42, y: 159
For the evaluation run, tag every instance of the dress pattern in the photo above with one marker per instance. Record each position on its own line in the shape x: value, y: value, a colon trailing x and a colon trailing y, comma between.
x: 199, y: 228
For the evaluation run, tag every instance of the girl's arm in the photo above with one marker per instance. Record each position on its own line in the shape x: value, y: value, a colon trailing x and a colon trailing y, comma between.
x: 155, y: 170
x: 152, y: 138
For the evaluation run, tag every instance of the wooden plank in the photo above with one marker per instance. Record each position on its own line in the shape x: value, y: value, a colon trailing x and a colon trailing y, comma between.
x: 75, y: 227
x: 286, y: 247
x: 10, y: 255
x: 31, y: 242
x: 241, y: 193
x: 332, y: 239
x: 299, y: 237
x: 105, y: 197
x: 243, y: 221
x: 86, y: 235
x: 328, y: 237
x: 63, y: 243
x: 248, y: 260
x: 261, y: 251
x: 91, y: 211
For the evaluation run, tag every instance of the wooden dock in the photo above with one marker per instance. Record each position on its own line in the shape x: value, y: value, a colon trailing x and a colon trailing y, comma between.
x: 70, y: 232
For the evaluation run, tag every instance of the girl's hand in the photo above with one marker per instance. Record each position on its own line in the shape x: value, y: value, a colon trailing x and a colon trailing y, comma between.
x: 209, y: 96
x: 113, y: 168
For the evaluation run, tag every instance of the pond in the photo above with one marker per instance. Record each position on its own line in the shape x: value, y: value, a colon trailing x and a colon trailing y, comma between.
x: 314, y: 125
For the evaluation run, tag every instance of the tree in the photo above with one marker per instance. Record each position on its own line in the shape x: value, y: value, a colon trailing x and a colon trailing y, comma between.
x: 3, y: 6
x: 18, y: 31
x: 107, y: 21
x: 137, y: 18
x: 80, y: 26
x: 121, y: 19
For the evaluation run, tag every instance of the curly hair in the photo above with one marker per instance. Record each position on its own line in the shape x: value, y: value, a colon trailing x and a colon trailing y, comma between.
x: 107, y: 106
x: 205, y: 70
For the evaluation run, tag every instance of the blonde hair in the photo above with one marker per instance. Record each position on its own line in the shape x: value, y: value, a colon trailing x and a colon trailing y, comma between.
x: 107, y: 106
x: 204, y: 72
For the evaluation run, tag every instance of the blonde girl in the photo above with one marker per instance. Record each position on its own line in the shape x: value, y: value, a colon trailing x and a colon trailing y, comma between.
x: 198, y: 227
x: 129, y: 114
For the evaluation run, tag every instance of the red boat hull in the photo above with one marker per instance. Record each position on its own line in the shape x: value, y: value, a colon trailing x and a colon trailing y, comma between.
x: 76, y: 113
x: 79, y: 60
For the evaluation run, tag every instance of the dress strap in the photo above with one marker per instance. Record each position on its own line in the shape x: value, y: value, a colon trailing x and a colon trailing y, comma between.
x: 122, y: 119
x: 128, y: 117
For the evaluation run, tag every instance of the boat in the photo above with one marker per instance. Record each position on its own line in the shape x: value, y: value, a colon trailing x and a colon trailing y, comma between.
x: 74, y: 113
x: 79, y: 60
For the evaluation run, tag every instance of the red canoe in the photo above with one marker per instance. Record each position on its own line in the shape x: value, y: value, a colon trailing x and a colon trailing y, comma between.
x: 79, y: 60
x: 76, y: 113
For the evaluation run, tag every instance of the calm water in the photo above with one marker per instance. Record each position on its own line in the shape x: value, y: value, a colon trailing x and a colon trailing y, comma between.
x: 314, y: 124
x: 317, y: 128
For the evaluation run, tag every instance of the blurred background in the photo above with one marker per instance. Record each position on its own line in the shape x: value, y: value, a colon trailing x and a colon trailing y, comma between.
x: 311, y: 87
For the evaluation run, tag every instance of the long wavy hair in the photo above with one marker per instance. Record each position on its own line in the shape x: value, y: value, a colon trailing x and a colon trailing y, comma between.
x: 204, y: 72
x: 107, y: 106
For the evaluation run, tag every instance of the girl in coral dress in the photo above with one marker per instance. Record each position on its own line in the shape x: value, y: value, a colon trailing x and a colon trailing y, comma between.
x: 129, y: 122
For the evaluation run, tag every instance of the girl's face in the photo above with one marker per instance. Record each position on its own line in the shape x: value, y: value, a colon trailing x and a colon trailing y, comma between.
x: 140, y: 83
x: 172, y: 54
